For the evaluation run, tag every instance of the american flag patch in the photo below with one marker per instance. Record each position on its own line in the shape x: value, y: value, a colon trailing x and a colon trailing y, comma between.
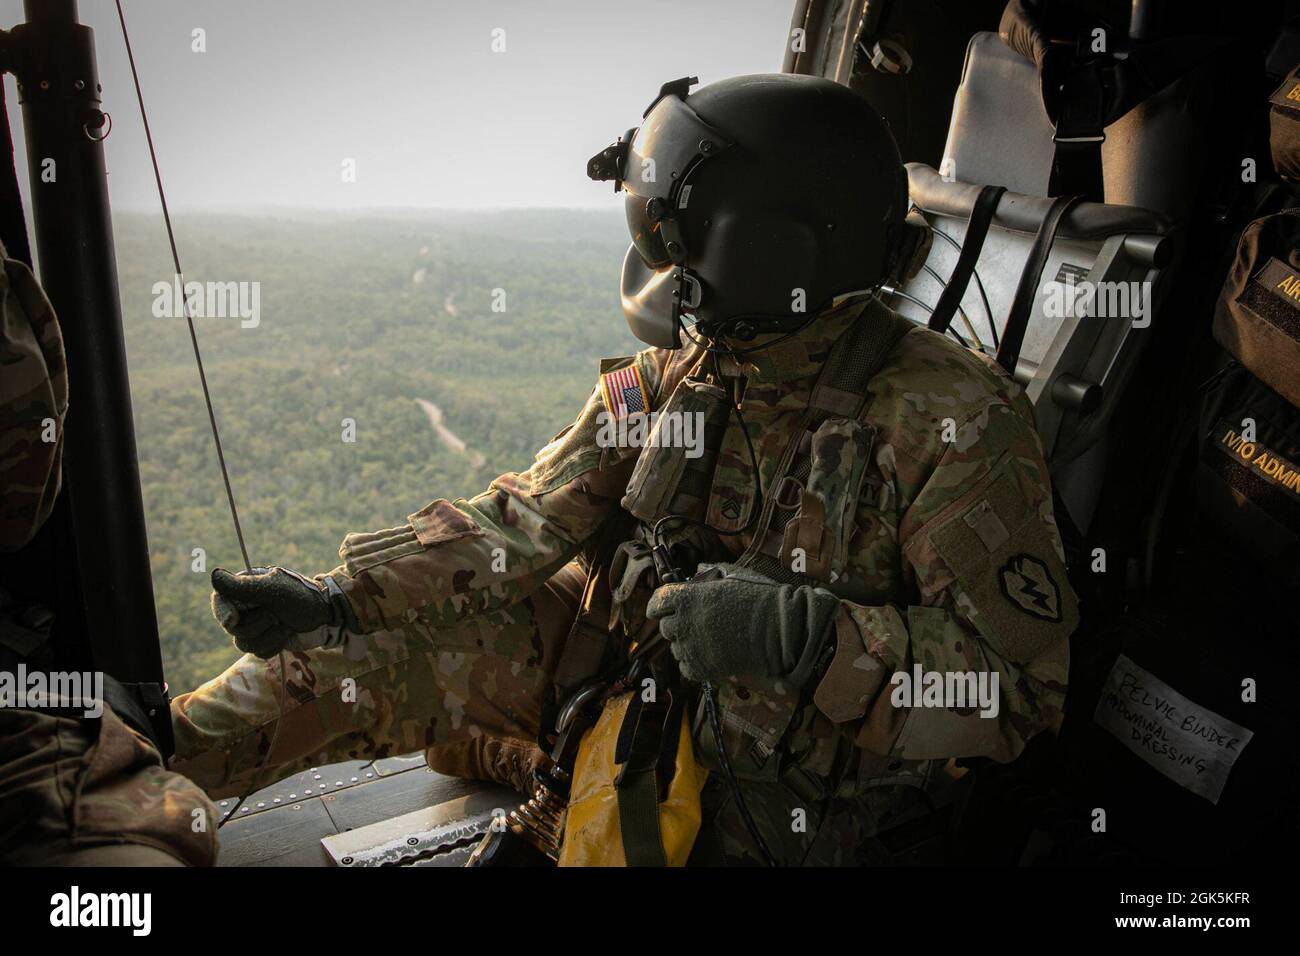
x: 623, y: 391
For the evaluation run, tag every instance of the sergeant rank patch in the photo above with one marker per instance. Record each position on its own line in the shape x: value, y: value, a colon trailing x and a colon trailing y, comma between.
x: 1029, y: 585
x: 624, y: 392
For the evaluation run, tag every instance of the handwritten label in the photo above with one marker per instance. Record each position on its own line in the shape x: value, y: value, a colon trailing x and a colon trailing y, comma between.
x: 1192, y: 746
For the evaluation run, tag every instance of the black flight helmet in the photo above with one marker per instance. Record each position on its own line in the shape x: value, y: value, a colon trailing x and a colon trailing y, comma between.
x: 752, y: 203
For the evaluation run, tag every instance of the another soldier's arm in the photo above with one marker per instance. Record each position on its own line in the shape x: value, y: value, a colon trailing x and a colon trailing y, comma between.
x: 457, y: 558
x: 33, y: 400
x: 980, y: 544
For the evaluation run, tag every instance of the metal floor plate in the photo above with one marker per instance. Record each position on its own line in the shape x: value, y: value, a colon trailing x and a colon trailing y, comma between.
x: 287, y: 821
x: 318, y: 781
x: 432, y: 835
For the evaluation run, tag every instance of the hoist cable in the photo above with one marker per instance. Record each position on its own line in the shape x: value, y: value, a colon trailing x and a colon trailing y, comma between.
x: 207, y: 394
x: 180, y: 275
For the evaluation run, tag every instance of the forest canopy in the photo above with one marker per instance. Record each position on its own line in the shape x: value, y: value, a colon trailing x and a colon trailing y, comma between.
x: 495, y: 320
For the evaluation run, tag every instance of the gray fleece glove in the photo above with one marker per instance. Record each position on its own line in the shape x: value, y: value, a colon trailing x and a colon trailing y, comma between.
x: 268, y: 610
x: 733, y: 622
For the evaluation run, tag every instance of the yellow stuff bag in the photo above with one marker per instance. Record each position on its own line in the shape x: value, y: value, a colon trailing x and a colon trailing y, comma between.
x: 593, y: 830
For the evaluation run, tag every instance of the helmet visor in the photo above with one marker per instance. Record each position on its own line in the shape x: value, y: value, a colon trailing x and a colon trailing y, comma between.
x: 668, y: 143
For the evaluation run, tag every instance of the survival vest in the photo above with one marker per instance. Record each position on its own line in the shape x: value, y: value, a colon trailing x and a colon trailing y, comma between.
x: 1284, y: 126
x: 635, y: 792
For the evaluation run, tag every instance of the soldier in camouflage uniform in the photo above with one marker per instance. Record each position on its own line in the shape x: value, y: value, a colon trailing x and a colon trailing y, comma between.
x: 33, y: 401
x: 872, y: 497
x: 73, y: 790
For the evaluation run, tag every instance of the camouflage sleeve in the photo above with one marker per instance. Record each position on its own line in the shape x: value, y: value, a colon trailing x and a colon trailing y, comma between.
x: 33, y: 401
x: 90, y: 792
x: 993, y: 612
x: 457, y: 558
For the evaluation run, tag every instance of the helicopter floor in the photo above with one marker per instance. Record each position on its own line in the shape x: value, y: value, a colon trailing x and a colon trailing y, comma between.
x: 284, y: 824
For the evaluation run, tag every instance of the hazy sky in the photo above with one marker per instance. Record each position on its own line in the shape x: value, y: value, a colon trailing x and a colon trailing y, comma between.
x: 409, y: 89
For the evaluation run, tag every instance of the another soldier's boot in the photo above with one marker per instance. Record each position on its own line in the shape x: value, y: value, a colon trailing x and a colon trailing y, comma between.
x: 501, y: 759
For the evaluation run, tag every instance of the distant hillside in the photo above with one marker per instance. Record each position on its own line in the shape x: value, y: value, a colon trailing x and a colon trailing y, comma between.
x: 361, y: 318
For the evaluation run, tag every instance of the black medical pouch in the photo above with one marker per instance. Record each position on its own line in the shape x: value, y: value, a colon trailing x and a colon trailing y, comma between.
x: 1248, y: 468
x: 1284, y: 127
x: 1248, y: 471
x: 1248, y: 474
x: 1257, y: 318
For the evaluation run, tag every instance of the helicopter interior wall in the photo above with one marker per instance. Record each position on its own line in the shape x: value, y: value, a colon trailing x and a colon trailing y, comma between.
x: 998, y: 102
x: 1000, y: 264
x: 916, y: 103
x: 1095, y: 242
x: 1154, y: 156
x: 1179, y: 154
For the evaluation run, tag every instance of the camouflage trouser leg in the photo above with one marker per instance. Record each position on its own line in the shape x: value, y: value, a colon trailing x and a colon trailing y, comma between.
x: 472, y: 695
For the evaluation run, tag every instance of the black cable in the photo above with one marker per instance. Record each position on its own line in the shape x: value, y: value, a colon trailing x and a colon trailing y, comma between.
x: 733, y: 352
x: 756, y: 508
x: 207, y: 394
x: 711, y: 706
x: 189, y: 318
x: 710, y: 693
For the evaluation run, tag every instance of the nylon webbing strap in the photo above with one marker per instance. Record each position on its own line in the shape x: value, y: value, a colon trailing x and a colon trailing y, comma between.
x: 696, y: 480
x: 977, y: 227
x: 1083, y: 105
x: 1013, y: 336
x: 774, y: 568
x: 858, y: 355
x: 640, y: 750
x: 1076, y: 170
x: 638, y: 816
x: 584, y: 650
x: 765, y: 562
x: 842, y: 390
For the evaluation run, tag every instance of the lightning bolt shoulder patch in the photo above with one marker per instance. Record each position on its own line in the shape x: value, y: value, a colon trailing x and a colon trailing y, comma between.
x: 1028, y: 584
x: 993, y: 547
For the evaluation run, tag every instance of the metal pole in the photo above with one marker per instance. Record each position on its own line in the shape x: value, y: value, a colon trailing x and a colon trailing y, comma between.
x: 1143, y: 20
x: 60, y: 94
